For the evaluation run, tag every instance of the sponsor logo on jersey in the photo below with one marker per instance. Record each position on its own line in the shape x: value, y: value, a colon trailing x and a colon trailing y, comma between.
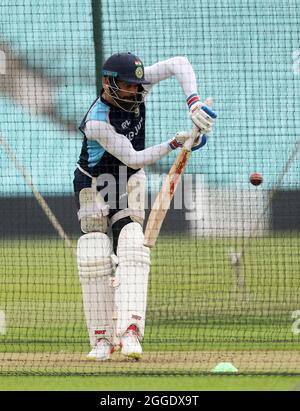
x: 126, y: 124
x: 136, y: 130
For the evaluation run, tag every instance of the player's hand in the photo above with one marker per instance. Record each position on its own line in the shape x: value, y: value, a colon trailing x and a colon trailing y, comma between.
x: 201, y: 113
x: 182, y: 136
x: 203, y: 117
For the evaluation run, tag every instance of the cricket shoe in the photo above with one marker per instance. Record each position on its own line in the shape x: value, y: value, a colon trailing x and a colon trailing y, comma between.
x: 130, y: 344
x: 101, y: 351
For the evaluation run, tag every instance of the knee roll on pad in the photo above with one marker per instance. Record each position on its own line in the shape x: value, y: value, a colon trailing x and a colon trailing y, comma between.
x: 94, y: 252
x: 130, y: 246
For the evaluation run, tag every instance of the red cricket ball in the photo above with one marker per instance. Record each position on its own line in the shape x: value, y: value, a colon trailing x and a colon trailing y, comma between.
x: 256, y: 179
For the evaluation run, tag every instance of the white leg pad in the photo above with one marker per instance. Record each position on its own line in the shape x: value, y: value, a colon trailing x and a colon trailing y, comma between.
x: 95, y: 268
x: 132, y: 274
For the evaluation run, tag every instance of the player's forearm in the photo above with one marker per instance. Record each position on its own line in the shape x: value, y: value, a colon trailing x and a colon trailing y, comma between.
x: 180, y: 67
x: 120, y: 147
x: 150, y: 155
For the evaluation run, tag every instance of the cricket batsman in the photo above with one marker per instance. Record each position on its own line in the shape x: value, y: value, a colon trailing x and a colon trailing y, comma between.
x: 109, y: 183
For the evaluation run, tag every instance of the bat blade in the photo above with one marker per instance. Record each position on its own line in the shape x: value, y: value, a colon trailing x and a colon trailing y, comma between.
x: 164, y: 197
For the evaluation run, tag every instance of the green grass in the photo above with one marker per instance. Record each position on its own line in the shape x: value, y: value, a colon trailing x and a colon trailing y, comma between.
x: 209, y: 383
x: 193, y: 301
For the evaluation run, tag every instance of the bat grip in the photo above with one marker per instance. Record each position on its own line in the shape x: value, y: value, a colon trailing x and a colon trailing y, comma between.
x: 190, y: 142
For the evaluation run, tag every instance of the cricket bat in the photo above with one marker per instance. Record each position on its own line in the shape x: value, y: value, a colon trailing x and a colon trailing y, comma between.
x: 164, y: 197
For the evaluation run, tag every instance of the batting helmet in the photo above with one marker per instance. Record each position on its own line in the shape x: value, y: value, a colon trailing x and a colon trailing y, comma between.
x: 125, y: 67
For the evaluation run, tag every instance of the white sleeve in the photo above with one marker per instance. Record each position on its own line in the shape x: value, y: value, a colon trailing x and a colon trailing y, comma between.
x: 120, y: 147
x: 180, y: 67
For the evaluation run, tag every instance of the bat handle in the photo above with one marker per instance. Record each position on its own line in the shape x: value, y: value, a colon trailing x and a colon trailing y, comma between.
x: 190, y: 142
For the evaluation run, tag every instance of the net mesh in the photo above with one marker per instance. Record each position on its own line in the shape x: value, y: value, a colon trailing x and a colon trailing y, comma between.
x: 224, y: 282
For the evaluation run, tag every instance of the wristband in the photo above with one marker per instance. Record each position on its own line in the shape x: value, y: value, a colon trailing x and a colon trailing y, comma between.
x: 192, y: 100
x: 173, y: 144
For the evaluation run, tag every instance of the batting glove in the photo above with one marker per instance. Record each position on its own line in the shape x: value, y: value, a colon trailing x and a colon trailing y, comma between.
x: 201, y: 115
x: 182, y: 136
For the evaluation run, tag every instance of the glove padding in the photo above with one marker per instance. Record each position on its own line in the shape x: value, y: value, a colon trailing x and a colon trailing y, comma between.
x: 203, y: 117
x: 199, y: 142
x: 182, y: 136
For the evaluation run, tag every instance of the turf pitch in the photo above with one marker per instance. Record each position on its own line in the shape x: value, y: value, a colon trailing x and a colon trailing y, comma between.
x: 195, y: 309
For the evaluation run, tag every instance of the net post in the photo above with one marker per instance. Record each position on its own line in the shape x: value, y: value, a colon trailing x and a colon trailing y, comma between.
x: 97, y: 35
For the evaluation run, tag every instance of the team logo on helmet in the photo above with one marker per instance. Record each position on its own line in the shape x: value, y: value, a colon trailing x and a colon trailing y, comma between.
x: 139, y: 72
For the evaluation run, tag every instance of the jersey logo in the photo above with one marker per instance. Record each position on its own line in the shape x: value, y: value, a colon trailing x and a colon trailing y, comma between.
x: 126, y: 124
x: 135, y: 131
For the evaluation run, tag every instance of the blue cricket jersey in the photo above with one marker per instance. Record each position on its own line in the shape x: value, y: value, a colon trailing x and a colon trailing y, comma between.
x: 93, y: 157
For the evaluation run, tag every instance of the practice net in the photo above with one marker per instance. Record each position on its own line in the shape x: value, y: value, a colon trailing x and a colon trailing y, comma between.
x: 224, y: 285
